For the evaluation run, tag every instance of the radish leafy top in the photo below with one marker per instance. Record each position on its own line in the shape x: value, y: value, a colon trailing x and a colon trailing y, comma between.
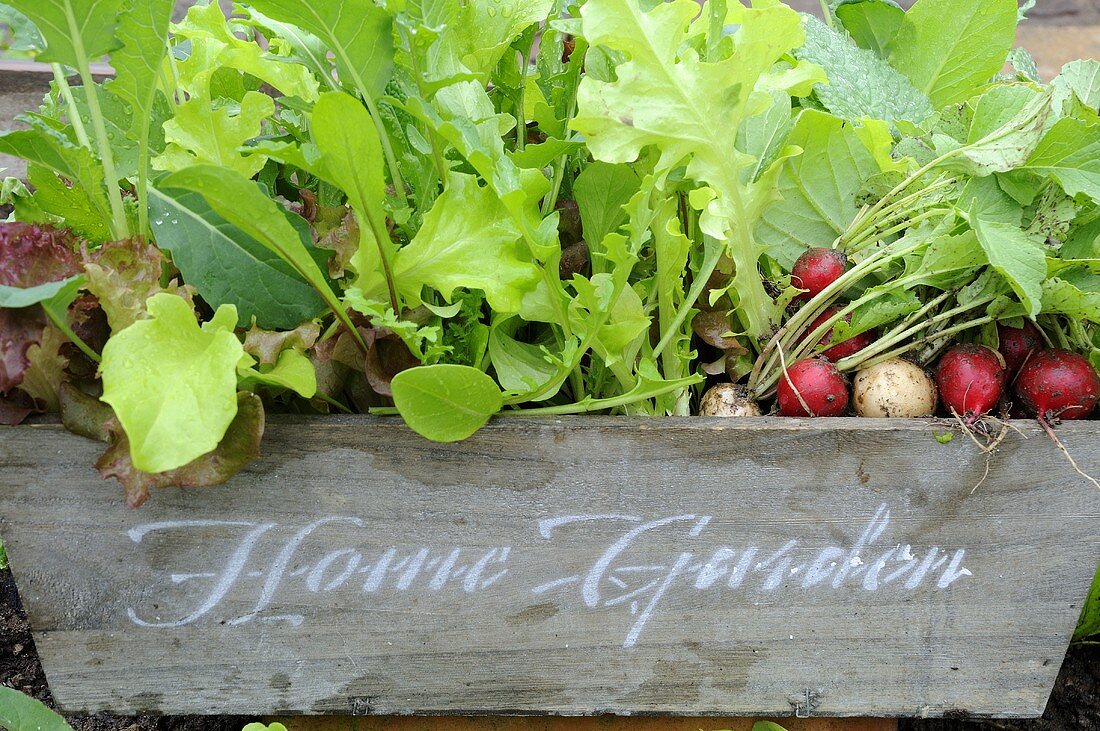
x: 460, y: 209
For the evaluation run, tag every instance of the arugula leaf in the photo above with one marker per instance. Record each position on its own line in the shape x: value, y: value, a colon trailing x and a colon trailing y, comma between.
x: 467, y: 240
x: 227, y: 266
x: 241, y: 203
x: 860, y: 83
x: 951, y: 48
x: 445, y: 402
x: 172, y: 383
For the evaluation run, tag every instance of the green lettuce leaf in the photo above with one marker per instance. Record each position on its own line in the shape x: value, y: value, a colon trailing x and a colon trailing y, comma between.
x: 172, y: 383
x: 872, y: 24
x: 445, y: 402
x: 74, y: 30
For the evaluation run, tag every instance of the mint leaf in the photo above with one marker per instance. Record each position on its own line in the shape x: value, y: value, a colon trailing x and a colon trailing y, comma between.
x: 172, y: 384
x: 227, y: 266
x: 444, y: 402
x: 860, y: 83
x: 951, y: 48
x: 467, y: 240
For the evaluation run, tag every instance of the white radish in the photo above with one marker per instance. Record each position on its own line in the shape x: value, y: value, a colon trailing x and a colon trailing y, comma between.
x: 894, y: 388
x: 729, y: 400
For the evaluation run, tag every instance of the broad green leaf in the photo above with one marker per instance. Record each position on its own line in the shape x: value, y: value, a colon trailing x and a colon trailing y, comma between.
x: 53, y: 197
x: 214, y: 46
x: 202, y: 133
x: 1089, y: 623
x: 1003, y: 133
x: 297, y: 46
x: 467, y: 240
x: 764, y: 136
x: 1078, y: 80
x: 818, y: 188
x: 19, y: 712
x: 293, y: 371
x: 686, y: 108
x: 25, y: 297
x: 53, y: 151
x: 75, y: 31
x: 601, y: 191
x: 860, y: 83
x: 1070, y: 154
x: 951, y: 48
x: 520, y: 367
x: 445, y: 403
x: 24, y: 40
x: 872, y: 24
x: 172, y: 383
x: 767, y: 726
x: 1018, y: 256
x: 482, y: 30
x: 143, y: 38
x: 240, y: 202
x: 357, y: 32
x: 1064, y: 298
x: 227, y: 266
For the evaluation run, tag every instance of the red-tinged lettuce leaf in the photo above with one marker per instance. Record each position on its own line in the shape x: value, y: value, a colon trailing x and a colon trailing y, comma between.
x: 239, y: 446
x: 266, y: 345
x: 17, y: 406
x: 337, y: 229
x: 84, y: 414
x: 19, y: 330
x: 34, y: 254
x: 123, y: 275
x: 45, y: 372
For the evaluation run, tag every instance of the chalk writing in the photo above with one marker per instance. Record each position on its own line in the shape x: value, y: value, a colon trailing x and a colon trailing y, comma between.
x: 635, y: 568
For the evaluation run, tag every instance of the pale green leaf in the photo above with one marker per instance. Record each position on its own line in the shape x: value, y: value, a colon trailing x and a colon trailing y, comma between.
x: 445, y: 403
x: 25, y: 297
x: 1078, y: 80
x: 1070, y: 153
x: 202, y: 133
x: 172, y: 384
x: 292, y: 371
x: 357, y: 32
x: 818, y: 188
x: 601, y: 191
x: 143, y: 35
x: 951, y: 48
x: 75, y: 31
x: 1018, y: 256
x: 467, y: 240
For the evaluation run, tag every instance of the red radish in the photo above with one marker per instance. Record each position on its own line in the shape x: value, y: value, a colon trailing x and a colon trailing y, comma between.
x: 823, y: 391
x: 971, y: 379
x: 1017, y: 343
x: 841, y: 350
x: 815, y: 270
x: 1058, y: 384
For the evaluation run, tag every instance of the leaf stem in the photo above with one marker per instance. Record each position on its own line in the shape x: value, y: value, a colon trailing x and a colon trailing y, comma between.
x: 70, y: 104
x: 63, y: 326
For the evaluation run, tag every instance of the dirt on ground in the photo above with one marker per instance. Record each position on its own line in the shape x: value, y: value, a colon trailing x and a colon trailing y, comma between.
x: 1075, y: 705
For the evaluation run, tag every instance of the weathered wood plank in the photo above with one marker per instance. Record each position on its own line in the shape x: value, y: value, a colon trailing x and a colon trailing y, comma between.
x: 431, y: 588
x: 557, y: 723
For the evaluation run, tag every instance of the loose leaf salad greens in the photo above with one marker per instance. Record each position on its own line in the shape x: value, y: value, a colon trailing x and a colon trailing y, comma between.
x: 457, y: 210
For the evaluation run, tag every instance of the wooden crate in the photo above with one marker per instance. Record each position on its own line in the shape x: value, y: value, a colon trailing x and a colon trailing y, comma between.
x: 756, y: 567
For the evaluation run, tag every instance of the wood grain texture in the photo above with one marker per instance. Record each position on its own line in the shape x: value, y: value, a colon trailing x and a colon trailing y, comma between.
x: 557, y: 723
x: 343, y: 629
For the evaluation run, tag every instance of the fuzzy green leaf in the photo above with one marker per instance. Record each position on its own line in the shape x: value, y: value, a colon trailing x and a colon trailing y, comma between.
x: 172, y: 383
x: 860, y: 83
x: 445, y: 403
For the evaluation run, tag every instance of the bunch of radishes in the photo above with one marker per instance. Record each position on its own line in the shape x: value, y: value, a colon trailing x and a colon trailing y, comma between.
x: 969, y: 380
